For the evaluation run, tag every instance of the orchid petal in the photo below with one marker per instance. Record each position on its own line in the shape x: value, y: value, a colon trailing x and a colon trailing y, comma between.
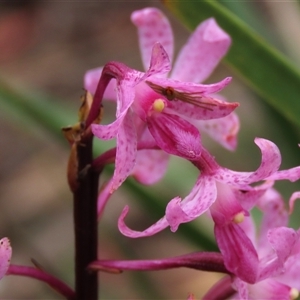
x: 151, y: 162
x: 5, y: 256
x: 104, y: 196
x: 270, y: 162
x: 274, y: 215
x: 249, y: 198
x: 269, y: 290
x: 151, y: 166
x: 125, y: 132
x: 192, y: 100
x: 190, y: 87
x: 207, y: 108
x: 110, y: 131
x: 291, y: 274
x: 126, y: 152
x: 155, y: 228
x: 292, y: 175
x: 226, y: 207
x: 242, y: 288
x: 202, y: 196
x: 248, y: 226
x: 120, y: 72
x: 281, y: 240
x: 296, y: 248
x: 295, y: 196
x: 175, y: 135
x: 152, y: 27
x: 126, y: 78
x: 240, y: 256
x: 126, y: 96
x: 201, y: 54
x: 160, y: 62
x: 223, y: 130
x: 91, y: 79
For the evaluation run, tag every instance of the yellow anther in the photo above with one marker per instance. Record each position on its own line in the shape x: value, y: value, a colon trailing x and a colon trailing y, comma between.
x: 238, y: 218
x: 294, y: 293
x: 158, y: 105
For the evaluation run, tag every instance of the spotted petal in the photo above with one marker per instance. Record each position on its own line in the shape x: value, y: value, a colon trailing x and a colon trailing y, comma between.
x: 126, y: 96
x: 193, y: 100
x: 202, y: 196
x: 270, y: 163
x: 282, y: 240
x: 201, y: 54
x: 155, y: 228
x: 223, y: 130
x: 152, y: 27
x: 292, y: 175
x: 126, y: 152
x: 124, y: 131
x: 190, y: 87
x: 175, y: 135
x: 159, y: 63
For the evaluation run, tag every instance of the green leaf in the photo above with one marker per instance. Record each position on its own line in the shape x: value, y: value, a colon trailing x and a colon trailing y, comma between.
x: 262, y: 67
x: 35, y: 110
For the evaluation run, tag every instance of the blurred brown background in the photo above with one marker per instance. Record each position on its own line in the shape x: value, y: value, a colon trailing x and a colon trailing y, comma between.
x: 46, y: 46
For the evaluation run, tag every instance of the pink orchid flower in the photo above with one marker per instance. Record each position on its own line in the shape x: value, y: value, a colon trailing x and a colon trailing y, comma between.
x: 228, y: 194
x: 277, y: 253
x: 5, y: 256
x: 171, y: 109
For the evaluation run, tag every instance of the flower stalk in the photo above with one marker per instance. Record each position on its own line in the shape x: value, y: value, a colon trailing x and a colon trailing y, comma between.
x: 83, y: 181
x: 204, y: 261
x: 85, y: 223
x: 38, y: 274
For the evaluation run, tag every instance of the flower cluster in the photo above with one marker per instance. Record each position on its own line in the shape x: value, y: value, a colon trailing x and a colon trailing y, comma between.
x: 167, y: 112
x: 162, y: 112
x: 271, y: 257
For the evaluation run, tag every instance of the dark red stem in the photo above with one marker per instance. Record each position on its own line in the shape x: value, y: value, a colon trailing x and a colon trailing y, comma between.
x: 85, y: 223
x: 85, y: 195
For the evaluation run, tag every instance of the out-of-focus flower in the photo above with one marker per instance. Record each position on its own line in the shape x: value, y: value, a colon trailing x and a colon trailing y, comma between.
x: 229, y: 194
x: 5, y: 256
x: 171, y: 109
x: 277, y: 254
